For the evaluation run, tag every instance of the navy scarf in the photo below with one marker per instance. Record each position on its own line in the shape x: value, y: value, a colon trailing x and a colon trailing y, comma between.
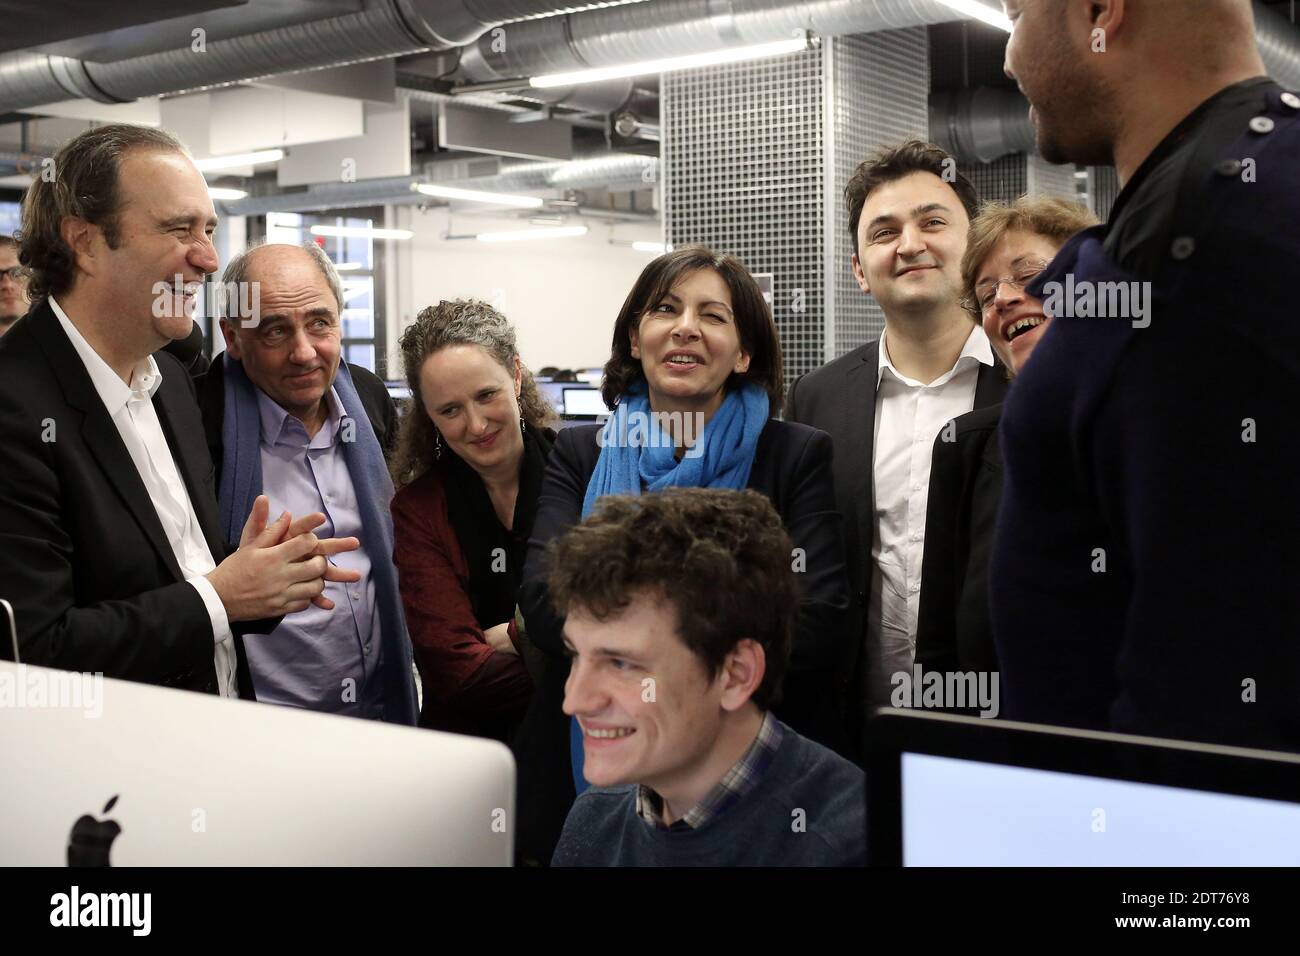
x: 241, y: 483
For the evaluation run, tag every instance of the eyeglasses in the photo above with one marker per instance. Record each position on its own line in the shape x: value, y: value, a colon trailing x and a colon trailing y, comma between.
x: 982, y: 298
x: 17, y: 273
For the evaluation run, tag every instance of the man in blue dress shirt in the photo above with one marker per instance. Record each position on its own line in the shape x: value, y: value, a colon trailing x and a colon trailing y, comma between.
x: 286, y: 417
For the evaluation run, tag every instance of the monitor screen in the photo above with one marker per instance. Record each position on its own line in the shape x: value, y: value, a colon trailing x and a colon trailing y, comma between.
x: 969, y: 813
x: 553, y: 392
x: 584, y: 401
x: 944, y: 790
x: 10, y: 218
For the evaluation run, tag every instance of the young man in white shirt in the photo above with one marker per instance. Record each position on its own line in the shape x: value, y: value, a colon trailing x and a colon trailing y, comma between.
x: 885, y: 402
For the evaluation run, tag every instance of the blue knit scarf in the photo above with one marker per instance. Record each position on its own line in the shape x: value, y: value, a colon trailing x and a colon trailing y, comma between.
x: 241, y: 483
x: 637, y: 455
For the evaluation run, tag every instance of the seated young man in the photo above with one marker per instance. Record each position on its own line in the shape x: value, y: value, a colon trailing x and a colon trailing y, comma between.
x: 679, y: 609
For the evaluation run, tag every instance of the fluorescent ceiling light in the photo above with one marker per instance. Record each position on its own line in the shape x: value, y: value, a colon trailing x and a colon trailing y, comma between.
x: 239, y: 159
x: 473, y: 195
x: 733, y: 55
x: 347, y: 267
x: 516, y: 235
x: 980, y: 11
x: 655, y: 247
x: 220, y: 192
x: 361, y: 232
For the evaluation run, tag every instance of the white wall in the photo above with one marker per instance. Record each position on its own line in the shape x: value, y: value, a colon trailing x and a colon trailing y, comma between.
x: 562, y: 295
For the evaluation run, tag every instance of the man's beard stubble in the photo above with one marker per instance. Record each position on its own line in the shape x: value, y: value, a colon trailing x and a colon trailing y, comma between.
x: 1077, y: 123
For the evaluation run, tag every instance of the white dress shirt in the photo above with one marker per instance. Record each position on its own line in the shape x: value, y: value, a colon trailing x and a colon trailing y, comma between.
x: 909, y: 416
x: 132, y: 411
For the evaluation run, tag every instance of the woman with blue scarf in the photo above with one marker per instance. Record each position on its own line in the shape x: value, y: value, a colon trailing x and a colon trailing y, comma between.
x: 694, y: 379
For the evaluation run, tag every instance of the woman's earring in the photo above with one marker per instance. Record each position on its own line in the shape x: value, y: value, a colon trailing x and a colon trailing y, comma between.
x: 437, y: 444
x: 523, y: 425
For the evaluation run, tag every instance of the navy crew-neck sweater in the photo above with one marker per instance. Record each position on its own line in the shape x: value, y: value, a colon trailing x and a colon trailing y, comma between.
x: 809, y: 810
x: 1146, y: 564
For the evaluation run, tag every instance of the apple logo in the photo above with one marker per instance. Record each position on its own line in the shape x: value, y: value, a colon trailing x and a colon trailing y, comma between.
x: 91, y: 839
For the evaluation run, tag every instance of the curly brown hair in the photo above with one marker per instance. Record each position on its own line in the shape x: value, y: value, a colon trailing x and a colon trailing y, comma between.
x: 754, y: 325
x: 720, y: 557
x: 458, y: 322
x: 84, y: 185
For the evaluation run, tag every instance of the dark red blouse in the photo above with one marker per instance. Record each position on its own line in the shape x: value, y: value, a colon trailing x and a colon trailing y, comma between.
x: 467, y: 686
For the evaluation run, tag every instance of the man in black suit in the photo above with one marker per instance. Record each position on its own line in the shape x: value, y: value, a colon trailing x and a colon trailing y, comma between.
x: 883, y: 403
x: 109, y: 544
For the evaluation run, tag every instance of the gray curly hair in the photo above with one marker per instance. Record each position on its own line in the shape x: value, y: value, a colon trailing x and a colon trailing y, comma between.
x: 458, y: 322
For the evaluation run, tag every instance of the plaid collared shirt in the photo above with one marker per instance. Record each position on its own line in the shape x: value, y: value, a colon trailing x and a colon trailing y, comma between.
x: 742, y: 779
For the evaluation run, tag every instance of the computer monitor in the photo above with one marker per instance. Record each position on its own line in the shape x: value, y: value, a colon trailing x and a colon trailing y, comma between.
x: 194, y: 779
x: 553, y: 392
x: 582, y: 402
x: 964, y: 791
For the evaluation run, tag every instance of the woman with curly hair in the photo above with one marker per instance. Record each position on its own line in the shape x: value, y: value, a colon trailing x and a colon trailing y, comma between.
x: 469, y: 464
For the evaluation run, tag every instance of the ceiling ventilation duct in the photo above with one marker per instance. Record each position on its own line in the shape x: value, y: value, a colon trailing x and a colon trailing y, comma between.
x: 984, y: 124
x: 385, y: 28
x: 668, y: 28
x: 612, y: 171
x: 981, y: 124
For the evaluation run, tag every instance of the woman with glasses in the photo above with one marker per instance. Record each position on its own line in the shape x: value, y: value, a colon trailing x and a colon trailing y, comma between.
x: 1007, y: 247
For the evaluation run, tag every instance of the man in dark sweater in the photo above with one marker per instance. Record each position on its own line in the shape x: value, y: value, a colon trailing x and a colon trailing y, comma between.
x: 1145, y: 568
x: 678, y: 613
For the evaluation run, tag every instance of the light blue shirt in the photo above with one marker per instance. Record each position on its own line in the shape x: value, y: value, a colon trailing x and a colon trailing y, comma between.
x: 321, y: 660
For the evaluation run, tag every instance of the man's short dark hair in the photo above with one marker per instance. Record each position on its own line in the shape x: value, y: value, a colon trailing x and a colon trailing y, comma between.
x: 895, y: 162
x: 85, y: 185
x: 720, y: 558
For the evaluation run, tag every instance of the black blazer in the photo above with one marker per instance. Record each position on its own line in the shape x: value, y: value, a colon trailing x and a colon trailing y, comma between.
x: 840, y: 399
x: 83, y: 557
x: 953, y: 628
x: 792, y: 467
x: 372, y: 391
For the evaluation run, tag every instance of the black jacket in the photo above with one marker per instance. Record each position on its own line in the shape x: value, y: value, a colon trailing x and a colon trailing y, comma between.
x: 792, y: 467
x: 840, y: 399
x: 953, y: 629
x: 374, y: 396
x: 83, y: 557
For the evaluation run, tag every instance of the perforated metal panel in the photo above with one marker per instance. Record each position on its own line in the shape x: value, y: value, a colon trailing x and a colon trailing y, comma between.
x: 1002, y: 180
x: 743, y: 173
x: 755, y: 158
x: 879, y: 85
x: 1103, y: 190
x: 1045, y: 179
